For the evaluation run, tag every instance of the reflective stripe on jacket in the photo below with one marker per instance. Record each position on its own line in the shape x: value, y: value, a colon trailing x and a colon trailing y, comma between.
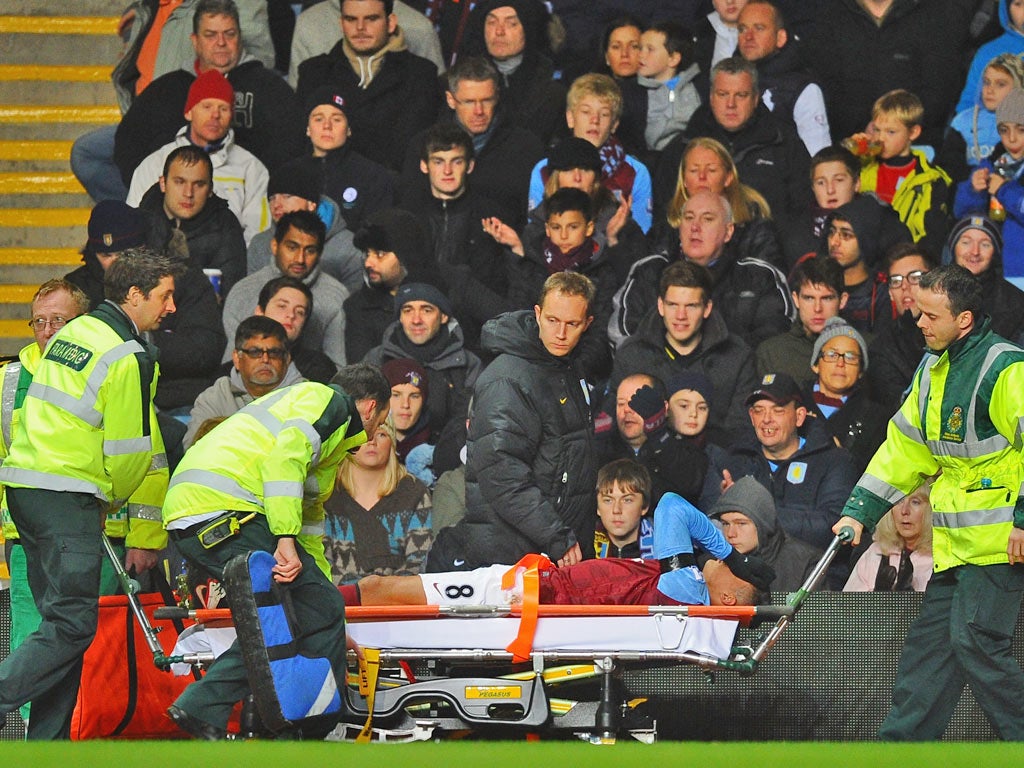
x: 277, y: 456
x: 89, y: 412
x: 963, y: 416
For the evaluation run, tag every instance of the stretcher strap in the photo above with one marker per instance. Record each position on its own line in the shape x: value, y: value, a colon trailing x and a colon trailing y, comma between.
x: 369, y: 668
x: 520, y: 647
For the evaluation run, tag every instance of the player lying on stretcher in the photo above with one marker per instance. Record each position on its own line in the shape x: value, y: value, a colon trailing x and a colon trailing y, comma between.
x: 693, y: 564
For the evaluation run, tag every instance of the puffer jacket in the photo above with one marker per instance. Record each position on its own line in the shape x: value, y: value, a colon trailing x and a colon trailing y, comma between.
x: 532, y: 463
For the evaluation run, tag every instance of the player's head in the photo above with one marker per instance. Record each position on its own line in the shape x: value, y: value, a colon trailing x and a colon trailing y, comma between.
x: 725, y: 588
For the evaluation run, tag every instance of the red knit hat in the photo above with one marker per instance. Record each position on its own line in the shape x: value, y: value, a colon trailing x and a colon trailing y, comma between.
x: 209, y: 85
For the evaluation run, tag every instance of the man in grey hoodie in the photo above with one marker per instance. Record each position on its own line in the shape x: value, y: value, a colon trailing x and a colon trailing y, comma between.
x: 746, y: 515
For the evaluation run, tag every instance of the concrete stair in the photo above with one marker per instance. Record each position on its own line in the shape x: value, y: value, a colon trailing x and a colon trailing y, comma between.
x: 54, y: 86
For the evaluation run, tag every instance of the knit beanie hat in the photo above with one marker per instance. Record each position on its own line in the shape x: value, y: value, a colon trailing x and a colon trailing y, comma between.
x: 837, y: 326
x: 981, y: 223
x: 115, y: 226
x: 1011, y: 108
x: 573, y: 153
x: 422, y: 292
x: 694, y: 380
x: 402, y: 370
x: 296, y: 178
x: 209, y: 85
x: 325, y: 94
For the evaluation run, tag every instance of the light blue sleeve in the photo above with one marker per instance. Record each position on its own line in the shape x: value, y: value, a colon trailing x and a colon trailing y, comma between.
x: 678, y: 524
x: 536, y: 195
x: 643, y: 201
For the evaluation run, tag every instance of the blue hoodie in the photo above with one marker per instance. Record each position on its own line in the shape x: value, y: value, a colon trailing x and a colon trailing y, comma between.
x: 1011, y: 41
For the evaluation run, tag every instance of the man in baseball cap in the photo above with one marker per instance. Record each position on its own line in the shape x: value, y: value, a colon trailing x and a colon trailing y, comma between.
x: 793, y: 456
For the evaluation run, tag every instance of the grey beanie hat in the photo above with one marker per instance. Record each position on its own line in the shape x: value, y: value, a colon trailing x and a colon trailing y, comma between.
x: 837, y: 326
x: 750, y: 498
x: 1011, y: 108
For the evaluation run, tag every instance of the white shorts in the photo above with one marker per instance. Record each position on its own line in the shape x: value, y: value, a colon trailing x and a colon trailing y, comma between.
x: 481, y: 586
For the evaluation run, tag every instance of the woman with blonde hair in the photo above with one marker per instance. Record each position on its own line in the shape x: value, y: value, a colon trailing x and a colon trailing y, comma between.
x: 706, y: 165
x: 378, y: 521
x: 900, y: 556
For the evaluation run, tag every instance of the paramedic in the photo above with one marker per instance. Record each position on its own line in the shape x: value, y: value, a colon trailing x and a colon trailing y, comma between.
x: 962, y: 418
x: 277, y: 457
x: 85, y: 446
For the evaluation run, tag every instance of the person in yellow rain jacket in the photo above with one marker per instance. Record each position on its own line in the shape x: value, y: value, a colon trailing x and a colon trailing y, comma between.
x: 84, y: 445
x: 962, y: 418
x: 275, y: 462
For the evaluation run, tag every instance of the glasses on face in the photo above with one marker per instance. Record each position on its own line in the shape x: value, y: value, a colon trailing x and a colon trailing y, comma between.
x: 477, y: 103
x: 844, y: 234
x: 912, y: 278
x: 257, y: 353
x: 40, y: 323
x: 831, y: 356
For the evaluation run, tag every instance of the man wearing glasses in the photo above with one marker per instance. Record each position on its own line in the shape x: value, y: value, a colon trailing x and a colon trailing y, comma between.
x: 261, y: 363
x: 87, y: 443
x: 898, y: 347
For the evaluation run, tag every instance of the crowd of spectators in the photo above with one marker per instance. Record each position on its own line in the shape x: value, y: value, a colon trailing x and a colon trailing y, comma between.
x: 747, y: 193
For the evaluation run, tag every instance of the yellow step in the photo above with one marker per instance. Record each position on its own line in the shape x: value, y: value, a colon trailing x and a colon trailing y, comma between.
x: 35, y: 150
x: 15, y: 329
x: 44, y: 217
x: 58, y: 257
x: 59, y: 25
x: 17, y: 294
x: 54, y: 73
x: 28, y: 113
x: 39, y: 183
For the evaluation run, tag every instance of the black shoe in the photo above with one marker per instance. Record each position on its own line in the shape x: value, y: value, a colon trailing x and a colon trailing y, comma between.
x: 194, y: 727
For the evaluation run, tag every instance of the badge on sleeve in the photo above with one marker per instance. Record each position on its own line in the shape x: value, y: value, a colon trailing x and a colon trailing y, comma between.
x: 797, y: 472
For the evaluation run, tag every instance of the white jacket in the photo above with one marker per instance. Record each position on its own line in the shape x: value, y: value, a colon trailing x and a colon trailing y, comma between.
x: 238, y: 177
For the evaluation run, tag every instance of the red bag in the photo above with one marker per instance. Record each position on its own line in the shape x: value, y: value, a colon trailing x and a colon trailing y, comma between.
x: 123, y: 694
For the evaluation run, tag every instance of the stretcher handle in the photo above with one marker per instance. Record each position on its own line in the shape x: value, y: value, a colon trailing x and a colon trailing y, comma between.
x: 845, y: 536
x: 131, y: 589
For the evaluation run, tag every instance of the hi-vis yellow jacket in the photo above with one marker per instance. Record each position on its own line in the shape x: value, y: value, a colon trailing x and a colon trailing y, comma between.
x: 138, y: 522
x: 87, y: 423
x: 964, y: 416
x: 277, y: 456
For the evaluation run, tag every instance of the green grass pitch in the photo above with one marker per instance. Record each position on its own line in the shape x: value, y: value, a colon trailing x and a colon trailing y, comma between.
x: 477, y: 754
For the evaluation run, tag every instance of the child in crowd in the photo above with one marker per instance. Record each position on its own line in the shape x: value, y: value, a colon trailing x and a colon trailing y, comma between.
x: 901, y: 176
x: 566, y: 243
x: 667, y: 71
x: 623, y: 499
x: 1011, y: 19
x: 835, y: 181
x: 409, y: 395
x: 995, y: 189
x: 689, y: 395
x: 973, y: 133
x: 593, y: 108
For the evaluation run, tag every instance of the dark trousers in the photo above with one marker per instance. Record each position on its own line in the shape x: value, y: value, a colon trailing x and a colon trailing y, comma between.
x: 962, y: 637
x: 60, y: 532
x: 319, y: 615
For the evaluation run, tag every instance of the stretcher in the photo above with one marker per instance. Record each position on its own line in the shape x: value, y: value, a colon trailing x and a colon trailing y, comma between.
x: 435, y: 671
